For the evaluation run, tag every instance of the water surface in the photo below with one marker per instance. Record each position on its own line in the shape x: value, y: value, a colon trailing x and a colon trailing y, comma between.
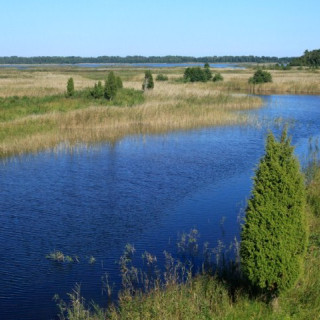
x: 142, y: 190
x: 142, y: 65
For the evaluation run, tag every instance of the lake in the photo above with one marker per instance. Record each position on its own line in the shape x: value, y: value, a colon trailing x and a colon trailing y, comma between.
x: 140, y: 65
x: 141, y: 190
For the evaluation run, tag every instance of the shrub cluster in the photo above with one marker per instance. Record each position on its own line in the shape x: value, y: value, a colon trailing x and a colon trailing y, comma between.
x: 197, y: 74
x: 260, y: 76
x: 110, y: 88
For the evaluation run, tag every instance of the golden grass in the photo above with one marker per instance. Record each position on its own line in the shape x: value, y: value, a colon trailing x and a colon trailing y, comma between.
x: 168, y: 107
x: 284, y: 82
x: 17, y: 83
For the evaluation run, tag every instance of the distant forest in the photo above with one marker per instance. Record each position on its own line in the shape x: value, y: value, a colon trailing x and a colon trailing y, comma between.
x: 309, y: 58
x: 141, y: 59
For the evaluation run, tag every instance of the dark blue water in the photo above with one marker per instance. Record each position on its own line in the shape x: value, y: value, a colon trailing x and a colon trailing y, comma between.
x: 142, y: 65
x: 142, y: 190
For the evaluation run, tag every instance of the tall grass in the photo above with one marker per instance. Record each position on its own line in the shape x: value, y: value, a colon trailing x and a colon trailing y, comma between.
x: 28, y: 127
x: 35, y: 115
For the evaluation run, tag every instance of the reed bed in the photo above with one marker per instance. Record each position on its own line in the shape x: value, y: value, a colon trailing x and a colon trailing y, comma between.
x: 36, y: 83
x: 48, y: 121
x: 284, y: 82
x: 166, y: 108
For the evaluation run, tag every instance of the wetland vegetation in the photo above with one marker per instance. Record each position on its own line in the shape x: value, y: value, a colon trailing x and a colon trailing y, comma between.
x: 41, y: 108
x: 36, y: 115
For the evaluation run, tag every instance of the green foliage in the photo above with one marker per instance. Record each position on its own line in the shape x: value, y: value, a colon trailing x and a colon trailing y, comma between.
x: 148, y: 81
x: 313, y: 194
x: 128, y: 97
x: 309, y: 58
x: 140, y: 59
x: 98, y: 91
x: 119, y: 83
x: 110, y: 89
x: 70, y: 87
x: 276, y: 66
x: 275, y: 231
x: 111, y: 86
x: 260, y: 76
x: 217, y: 77
x: 162, y: 77
x: 195, y: 74
x: 207, y: 71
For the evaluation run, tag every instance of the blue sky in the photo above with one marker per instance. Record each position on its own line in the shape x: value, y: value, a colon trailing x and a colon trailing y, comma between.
x: 195, y: 28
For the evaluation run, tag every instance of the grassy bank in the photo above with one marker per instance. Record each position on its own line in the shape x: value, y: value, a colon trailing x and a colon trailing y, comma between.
x: 210, y: 297
x: 35, y: 114
x: 30, y: 124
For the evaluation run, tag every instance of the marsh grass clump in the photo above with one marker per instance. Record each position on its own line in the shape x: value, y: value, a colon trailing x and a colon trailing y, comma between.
x: 217, y: 77
x: 162, y: 77
x: 58, y: 256
x: 312, y: 177
x: 92, y: 260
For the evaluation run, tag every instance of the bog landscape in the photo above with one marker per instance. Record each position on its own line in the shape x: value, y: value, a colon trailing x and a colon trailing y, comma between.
x: 159, y: 161
x: 127, y: 190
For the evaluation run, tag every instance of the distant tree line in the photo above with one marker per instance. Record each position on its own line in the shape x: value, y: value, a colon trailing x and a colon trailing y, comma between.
x: 141, y: 59
x: 309, y: 59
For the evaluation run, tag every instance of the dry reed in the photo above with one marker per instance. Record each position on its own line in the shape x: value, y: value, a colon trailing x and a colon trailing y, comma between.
x: 168, y: 107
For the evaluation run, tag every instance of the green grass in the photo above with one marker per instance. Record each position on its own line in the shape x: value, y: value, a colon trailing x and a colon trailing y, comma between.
x: 13, y: 108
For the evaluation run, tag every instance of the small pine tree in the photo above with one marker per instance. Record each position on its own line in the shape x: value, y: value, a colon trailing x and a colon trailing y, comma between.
x: 98, y: 91
x: 207, y: 71
x: 274, y: 235
x: 148, y: 81
x: 70, y: 88
x: 110, y: 88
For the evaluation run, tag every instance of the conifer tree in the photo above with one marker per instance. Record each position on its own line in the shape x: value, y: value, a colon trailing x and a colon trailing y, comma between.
x: 148, y: 81
x: 110, y: 88
x: 274, y: 235
x: 98, y: 91
x: 70, y: 87
x: 207, y: 71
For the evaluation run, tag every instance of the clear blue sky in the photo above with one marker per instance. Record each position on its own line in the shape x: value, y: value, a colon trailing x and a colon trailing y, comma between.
x: 163, y: 27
